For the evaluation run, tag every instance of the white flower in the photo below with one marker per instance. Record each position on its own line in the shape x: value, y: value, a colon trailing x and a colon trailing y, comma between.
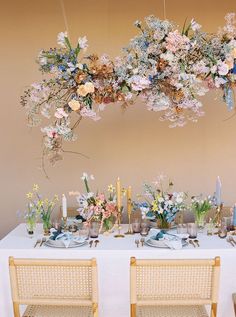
x: 213, y: 69
x: 84, y: 176
x: 61, y: 38
x: 160, y: 199
x: 92, y: 177
x: 83, y: 42
x: 179, y: 199
x: 195, y: 26
x: 90, y: 195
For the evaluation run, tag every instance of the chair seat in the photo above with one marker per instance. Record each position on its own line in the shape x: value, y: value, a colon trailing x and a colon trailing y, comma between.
x: 171, y: 311
x: 58, y: 311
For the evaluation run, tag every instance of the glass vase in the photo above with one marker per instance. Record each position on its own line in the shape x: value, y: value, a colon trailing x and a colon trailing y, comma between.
x: 30, y: 227
x: 200, y: 221
x: 46, y: 227
x: 162, y: 223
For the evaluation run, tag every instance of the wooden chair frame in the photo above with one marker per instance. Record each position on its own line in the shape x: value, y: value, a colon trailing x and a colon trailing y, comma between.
x: 13, y: 263
x: 215, y: 263
x: 234, y: 302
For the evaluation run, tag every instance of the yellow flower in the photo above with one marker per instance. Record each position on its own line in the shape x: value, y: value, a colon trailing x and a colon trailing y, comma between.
x: 35, y: 187
x: 111, y: 188
x: 154, y: 206
x: 40, y: 203
x: 85, y: 89
x: 74, y: 104
x: 29, y: 195
x: 56, y: 198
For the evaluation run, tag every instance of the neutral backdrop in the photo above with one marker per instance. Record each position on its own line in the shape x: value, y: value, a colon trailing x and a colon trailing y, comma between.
x: 134, y: 145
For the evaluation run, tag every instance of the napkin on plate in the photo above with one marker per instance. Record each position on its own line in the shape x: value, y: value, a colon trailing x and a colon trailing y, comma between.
x: 172, y: 241
x: 67, y: 238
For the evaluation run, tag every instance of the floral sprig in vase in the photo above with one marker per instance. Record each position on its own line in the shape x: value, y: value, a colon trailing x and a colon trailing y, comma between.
x: 200, y: 207
x: 42, y: 207
x: 162, y: 204
x: 96, y: 207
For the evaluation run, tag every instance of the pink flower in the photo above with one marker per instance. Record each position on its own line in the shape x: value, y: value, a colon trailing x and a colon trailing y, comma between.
x: 175, y: 41
x: 223, y: 68
x: 60, y: 113
x: 90, y: 114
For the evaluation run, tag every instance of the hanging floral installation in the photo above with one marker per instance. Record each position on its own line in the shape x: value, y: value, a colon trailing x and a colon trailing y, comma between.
x: 167, y: 68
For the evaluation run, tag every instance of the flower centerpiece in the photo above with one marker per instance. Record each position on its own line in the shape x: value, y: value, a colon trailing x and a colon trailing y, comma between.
x: 41, y: 208
x: 162, y: 204
x: 96, y: 207
x: 167, y: 67
x: 200, y: 207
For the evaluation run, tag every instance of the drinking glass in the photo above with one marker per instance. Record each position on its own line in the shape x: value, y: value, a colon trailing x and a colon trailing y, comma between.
x: 181, y: 228
x: 94, y: 229
x: 144, y: 228
x: 136, y: 225
x: 192, y: 230
x: 84, y: 231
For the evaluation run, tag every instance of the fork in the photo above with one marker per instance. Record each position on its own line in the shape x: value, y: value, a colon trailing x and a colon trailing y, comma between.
x: 191, y: 242
x: 37, y: 242
x: 44, y: 239
x: 142, y: 240
x: 230, y: 241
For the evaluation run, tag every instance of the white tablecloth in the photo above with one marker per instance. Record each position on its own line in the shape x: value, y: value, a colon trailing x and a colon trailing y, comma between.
x: 113, y: 257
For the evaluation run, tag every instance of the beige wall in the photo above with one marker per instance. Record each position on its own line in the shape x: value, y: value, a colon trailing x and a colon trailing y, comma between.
x: 134, y: 145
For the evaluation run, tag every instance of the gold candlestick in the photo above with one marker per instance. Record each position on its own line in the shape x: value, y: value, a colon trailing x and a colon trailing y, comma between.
x: 218, y: 216
x: 129, y: 210
x: 64, y: 220
x: 119, y: 234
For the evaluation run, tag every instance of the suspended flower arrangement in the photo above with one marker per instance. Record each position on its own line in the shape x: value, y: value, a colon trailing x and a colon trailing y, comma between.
x: 169, y: 69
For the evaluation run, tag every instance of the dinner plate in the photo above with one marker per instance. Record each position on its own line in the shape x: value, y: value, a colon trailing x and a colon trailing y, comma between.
x: 161, y: 243
x: 59, y: 244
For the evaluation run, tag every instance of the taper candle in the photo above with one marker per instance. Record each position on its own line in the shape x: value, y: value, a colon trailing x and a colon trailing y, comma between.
x: 118, y: 194
x: 129, y: 200
x: 218, y: 191
x: 64, y: 206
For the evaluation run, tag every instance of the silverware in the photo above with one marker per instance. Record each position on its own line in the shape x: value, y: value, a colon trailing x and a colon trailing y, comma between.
x: 90, y: 243
x: 37, y: 242
x: 191, y: 242
x: 230, y: 241
x: 96, y: 242
x: 44, y: 239
x: 137, y: 242
x: 197, y: 242
x: 142, y: 240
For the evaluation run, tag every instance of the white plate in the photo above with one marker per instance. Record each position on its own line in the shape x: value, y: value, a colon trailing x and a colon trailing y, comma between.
x: 60, y: 244
x: 161, y: 243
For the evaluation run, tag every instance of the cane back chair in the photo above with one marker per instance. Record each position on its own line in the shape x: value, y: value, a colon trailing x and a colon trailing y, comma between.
x: 174, y: 288
x: 59, y: 288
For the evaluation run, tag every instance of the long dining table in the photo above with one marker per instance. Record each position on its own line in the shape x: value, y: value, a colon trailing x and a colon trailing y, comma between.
x: 113, y: 258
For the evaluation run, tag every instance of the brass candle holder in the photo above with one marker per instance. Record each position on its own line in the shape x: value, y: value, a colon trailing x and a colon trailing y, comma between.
x: 119, y: 234
x: 130, y: 231
x: 129, y: 225
x: 218, y: 216
x: 64, y: 223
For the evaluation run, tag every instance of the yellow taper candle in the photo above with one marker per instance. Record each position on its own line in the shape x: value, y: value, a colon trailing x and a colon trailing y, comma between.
x: 118, y: 194
x: 129, y: 200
